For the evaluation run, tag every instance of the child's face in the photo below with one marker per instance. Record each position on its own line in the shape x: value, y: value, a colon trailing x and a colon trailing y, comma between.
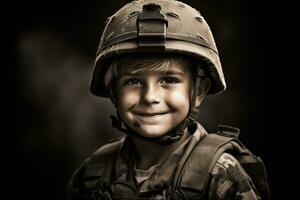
x: 155, y: 102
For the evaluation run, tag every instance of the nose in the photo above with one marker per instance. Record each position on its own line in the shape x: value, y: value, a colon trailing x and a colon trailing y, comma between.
x: 150, y: 95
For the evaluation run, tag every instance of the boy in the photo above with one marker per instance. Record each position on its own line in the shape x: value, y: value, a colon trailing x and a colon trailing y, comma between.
x: 157, y: 60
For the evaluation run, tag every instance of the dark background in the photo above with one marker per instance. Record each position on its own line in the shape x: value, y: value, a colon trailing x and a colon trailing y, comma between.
x: 53, y: 121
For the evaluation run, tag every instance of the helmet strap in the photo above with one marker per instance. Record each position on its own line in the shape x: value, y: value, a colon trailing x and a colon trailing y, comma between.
x: 194, y: 110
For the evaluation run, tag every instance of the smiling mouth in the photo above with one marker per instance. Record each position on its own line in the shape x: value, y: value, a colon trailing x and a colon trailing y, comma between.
x: 146, y: 114
x: 150, y: 118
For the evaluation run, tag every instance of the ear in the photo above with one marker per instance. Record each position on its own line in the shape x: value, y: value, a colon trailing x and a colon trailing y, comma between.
x: 203, y: 89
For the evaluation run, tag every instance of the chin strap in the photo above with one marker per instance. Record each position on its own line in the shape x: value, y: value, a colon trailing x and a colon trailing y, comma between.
x: 190, y: 122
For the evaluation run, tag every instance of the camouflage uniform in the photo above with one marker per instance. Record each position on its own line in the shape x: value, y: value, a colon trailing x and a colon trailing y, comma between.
x: 225, y: 186
x: 228, y: 179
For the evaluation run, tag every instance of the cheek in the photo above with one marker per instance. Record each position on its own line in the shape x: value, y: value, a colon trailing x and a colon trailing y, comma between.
x: 179, y: 99
x: 127, y: 99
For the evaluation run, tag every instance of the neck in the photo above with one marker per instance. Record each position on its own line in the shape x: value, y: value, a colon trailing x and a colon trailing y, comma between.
x: 148, y: 154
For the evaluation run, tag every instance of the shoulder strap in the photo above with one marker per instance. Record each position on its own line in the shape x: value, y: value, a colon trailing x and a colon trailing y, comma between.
x: 98, y: 170
x: 195, y: 174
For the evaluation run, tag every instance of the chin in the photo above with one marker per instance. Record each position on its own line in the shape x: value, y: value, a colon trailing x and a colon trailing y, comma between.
x: 151, y: 131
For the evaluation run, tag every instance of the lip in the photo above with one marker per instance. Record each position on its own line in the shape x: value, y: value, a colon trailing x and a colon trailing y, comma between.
x: 150, y: 118
x: 150, y: 114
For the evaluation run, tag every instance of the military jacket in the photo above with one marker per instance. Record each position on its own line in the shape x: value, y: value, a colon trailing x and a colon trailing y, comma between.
x: 111, y: 176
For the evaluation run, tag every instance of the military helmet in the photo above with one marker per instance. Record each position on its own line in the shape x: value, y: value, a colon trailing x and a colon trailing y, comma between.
x: 157, y: 26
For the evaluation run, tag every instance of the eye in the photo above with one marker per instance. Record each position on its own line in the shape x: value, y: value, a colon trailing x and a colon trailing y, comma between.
x: 133, y: 82
x: 169, y: 80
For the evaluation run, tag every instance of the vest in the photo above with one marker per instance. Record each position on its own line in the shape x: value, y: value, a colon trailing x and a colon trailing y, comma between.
x: 190, y: 181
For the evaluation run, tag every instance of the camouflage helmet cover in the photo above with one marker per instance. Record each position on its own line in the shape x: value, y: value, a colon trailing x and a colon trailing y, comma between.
x: 157, y: 26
